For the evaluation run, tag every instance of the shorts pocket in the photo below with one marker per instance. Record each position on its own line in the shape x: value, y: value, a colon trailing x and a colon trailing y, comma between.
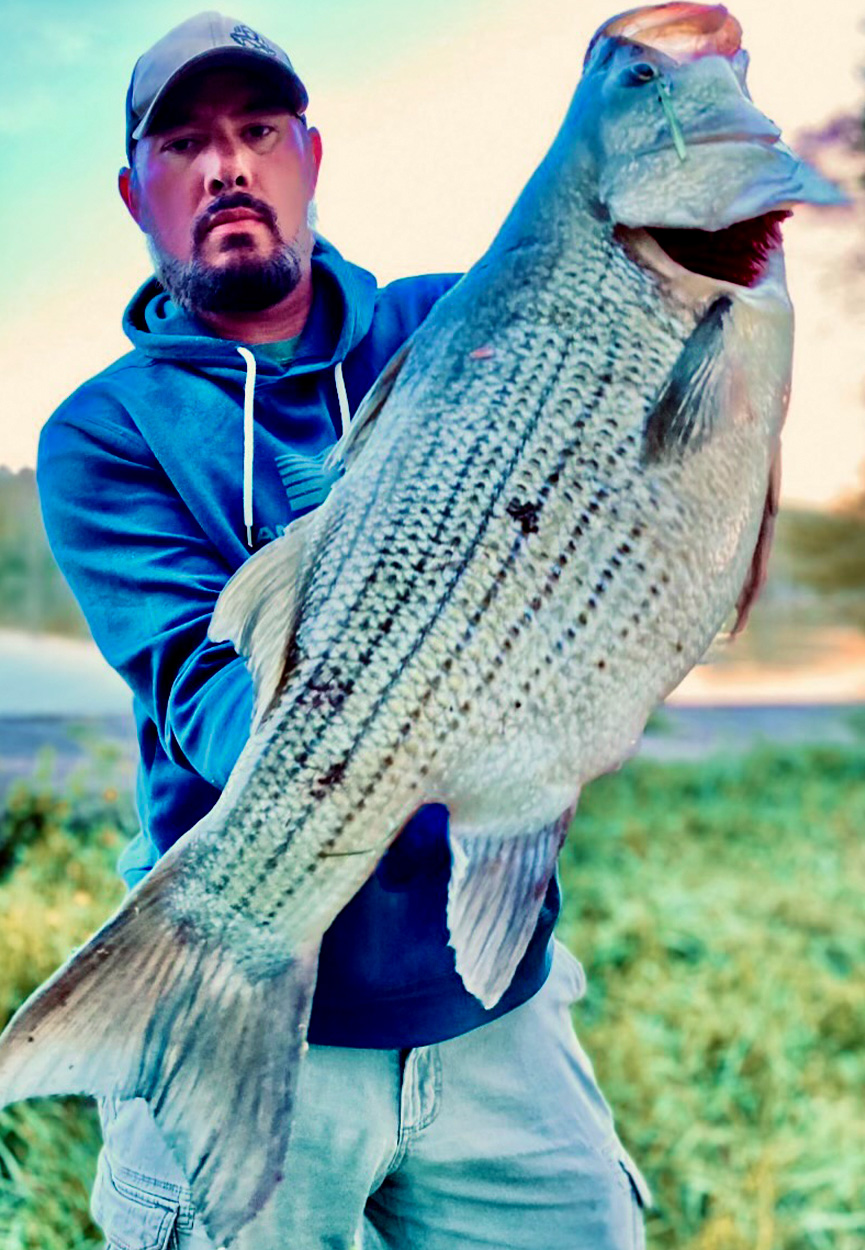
x: 133, y: 1213
x: 641, y: 1197
x: 639, y: 1184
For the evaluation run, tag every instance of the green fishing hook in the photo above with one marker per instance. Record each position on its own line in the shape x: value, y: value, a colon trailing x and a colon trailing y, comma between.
x: 664, y: 92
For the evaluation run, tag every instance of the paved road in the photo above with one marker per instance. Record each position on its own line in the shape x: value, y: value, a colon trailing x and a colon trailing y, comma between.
x: 681, y: 733
x: 688, y: 732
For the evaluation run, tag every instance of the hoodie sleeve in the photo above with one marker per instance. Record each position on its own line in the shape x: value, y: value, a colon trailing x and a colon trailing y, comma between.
x: 147, y: 580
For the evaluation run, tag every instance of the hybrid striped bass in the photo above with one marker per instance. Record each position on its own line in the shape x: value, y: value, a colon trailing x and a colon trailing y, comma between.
x: 552, y: 499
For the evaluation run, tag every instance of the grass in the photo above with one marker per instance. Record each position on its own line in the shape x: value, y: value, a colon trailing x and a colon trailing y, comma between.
x: 717, y: 908
x: 57, y: 885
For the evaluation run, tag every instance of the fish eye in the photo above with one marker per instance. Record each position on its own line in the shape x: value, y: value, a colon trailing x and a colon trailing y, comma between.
x: 637, y: 74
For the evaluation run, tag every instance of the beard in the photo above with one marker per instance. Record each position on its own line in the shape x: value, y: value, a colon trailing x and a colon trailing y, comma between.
x: 245, y: 283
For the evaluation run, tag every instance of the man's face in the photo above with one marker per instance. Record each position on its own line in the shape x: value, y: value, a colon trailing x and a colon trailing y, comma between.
x: 222, y: 187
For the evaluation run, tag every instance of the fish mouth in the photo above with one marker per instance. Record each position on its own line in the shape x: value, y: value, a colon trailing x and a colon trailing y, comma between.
x: 739, y: 253
x: 765, y: 135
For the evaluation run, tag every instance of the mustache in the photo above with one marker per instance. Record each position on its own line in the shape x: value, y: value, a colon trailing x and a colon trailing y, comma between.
x: 232, y: 199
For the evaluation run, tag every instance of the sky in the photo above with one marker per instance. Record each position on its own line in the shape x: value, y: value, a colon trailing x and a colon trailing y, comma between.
x: 433, y: 115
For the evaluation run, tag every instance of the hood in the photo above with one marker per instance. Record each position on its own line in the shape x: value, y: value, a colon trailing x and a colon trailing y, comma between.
x: 343, y: 295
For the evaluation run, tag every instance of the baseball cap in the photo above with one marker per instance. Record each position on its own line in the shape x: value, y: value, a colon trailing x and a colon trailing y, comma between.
x: 204, y: 41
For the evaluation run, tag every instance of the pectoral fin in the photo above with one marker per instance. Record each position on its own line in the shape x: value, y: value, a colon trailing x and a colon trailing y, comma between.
x: 147, y: 1009
x: 497, y: 888
x: 691, y: 403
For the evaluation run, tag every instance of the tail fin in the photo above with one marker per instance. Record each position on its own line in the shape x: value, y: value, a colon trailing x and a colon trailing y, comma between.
x: 148, y: 1009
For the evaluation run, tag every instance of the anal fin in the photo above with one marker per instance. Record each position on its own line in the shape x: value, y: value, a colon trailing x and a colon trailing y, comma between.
x: 497, y: 889
x: 148, y: 1009
x: 759, y: 568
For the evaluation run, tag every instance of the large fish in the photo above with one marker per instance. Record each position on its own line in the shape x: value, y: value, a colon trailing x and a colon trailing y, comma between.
x: 552, y: 499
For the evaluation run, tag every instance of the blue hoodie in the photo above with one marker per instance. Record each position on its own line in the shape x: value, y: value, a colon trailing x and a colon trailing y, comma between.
x: 140, y: 475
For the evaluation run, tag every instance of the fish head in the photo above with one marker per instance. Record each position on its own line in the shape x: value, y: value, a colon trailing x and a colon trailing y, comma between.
x: 674, y: 136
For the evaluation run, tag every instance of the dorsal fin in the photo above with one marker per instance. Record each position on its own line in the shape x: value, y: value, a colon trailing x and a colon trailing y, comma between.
x: 370, y: 406
x: 258, y: 610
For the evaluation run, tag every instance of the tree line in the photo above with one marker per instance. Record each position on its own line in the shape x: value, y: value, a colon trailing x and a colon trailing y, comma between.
x: 33, y: 594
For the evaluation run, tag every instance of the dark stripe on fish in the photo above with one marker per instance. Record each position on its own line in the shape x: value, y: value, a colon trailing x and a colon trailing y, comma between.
x: 564, y: 352
x: 602, y: 387
x: 229, y: 865
x: 584, y: 333
x: 278, y: 852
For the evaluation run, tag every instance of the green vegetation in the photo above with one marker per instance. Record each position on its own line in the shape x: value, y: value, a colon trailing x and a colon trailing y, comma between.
x: 717, y: 908
x: 33, y: 594
x: 828, y: 555
x: 57, y: 885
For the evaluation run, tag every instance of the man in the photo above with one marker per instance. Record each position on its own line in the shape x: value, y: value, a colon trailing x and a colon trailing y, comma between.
x: 423, y: 1120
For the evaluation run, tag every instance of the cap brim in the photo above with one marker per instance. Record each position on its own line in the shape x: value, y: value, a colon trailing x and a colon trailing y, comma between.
x: 296, y: 95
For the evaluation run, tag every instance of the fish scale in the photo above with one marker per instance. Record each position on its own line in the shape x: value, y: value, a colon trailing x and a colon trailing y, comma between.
x: 553, y: 497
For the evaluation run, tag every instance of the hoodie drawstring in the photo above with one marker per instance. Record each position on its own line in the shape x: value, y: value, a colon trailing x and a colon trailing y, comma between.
x: 249, y: 429
x: 248, y: 440
x: 342, y: 397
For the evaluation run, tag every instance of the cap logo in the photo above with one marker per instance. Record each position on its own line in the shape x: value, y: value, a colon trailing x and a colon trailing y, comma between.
x: 248, y: 38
